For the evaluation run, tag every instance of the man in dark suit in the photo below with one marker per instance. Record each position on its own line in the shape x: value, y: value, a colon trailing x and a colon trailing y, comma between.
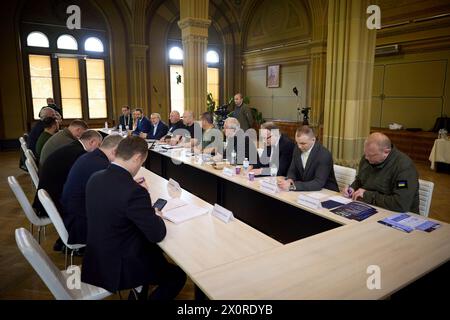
x: 54, y: 171
x: 158, y: 129
x: 126, y: 120
x: 311, y: 167
x: 142, y: 125
x: 121, y: 250
x: 277, y: 151
x: 73, y: 199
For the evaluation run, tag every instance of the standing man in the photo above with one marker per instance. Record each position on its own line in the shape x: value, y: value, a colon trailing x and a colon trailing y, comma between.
x: 126, y: 120
x: 73, y: 199
x: 311, y: 167
x: 242, y: 112
x: 124, y: 229
x: 386, y: 178
x: 51, y: 104
x: 158, y: 128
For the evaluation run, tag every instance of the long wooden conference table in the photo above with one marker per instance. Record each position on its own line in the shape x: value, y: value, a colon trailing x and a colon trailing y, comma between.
x: 275, y: 248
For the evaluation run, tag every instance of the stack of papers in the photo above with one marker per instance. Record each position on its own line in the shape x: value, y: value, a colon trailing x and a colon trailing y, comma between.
x: 355, y: 210
x: 409, y: 222
x: 334, y: 202
x: 177, y: 211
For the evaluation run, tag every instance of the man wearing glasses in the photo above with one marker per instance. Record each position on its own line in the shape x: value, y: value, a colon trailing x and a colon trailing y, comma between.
x: 276, y: 152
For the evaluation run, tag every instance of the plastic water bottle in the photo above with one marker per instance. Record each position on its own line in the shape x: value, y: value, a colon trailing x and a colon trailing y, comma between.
x: 273, y: 170
x: 233, y: 157
x: 120, y: 129
x: 106, y: 124
x: 246, y: 164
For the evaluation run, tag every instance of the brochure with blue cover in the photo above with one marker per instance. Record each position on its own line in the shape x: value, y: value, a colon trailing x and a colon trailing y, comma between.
x: 409, y: 222
x: 355, y: 210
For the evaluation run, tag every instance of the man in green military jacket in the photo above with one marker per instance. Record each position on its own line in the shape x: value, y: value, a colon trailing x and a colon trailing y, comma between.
x: 386, y: 178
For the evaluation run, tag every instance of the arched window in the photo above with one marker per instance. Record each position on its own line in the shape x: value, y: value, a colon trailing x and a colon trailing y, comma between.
x: 176, y: 53
x: 67, y: 42
x: 93, y: 44
x: 37, y: 39
x: 212, y: 57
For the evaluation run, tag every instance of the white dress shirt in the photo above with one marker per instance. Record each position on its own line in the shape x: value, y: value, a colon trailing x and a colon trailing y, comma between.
x: 155, y: 127
x: 305, y: 156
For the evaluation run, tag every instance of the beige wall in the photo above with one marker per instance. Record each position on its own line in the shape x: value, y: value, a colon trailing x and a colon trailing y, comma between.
x: 411, y: 90
x: 280, y: 39
x: 278, y: 103
x: 13, y: 108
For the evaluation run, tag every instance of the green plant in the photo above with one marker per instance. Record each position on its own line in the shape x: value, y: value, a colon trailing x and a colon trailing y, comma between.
x: 257, y: 116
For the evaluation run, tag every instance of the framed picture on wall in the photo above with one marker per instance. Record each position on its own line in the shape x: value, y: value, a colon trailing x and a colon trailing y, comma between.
x: 273, y: 76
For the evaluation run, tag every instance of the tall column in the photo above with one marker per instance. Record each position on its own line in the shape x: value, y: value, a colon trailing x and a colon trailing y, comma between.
x: 317, y: 91
x: 138, y: 77
x: 350, y: 63
x: 194, y: 25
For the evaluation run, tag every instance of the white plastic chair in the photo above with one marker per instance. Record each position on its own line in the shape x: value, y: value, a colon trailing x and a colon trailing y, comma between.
x: 344, y: 176
x: 34, y: 219
x: 55, y: 280
x: 30, y: 156
x: 23, y: 144
x: 33, y: 173
x: 55, y: 217
x: 425, y: 195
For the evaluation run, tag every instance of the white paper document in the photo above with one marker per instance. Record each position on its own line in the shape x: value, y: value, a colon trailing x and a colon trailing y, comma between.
x: 177, y: 211
x: 341, y: 199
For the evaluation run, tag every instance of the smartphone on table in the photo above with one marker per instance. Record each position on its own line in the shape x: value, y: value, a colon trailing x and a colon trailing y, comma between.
x: 159, y: 204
